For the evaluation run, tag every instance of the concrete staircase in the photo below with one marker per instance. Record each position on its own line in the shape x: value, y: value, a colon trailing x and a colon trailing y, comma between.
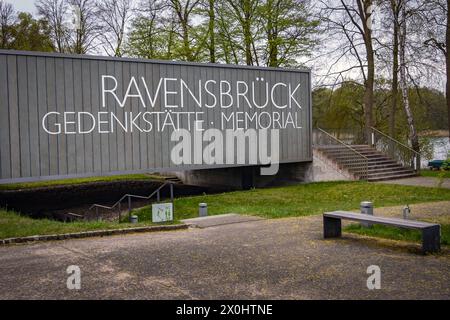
x: 380, y: 167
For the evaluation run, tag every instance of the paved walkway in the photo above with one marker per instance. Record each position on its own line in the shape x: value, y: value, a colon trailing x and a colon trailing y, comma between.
x: 275, y: 259
x: 419, y: 182
x: 219, y: 220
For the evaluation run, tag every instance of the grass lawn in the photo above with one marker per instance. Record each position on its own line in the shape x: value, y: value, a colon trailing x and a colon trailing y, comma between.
x: 14, y: 225
x: 434, y: 173
x: 396, y: 233
x: 39, y: 184
x: 300, y: 200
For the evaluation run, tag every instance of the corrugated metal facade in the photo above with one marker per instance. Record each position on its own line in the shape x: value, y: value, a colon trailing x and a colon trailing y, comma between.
x: 34, y: 84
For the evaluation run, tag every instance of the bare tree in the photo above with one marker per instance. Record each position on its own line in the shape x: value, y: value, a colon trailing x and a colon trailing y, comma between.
x: 7, y: 18
x: 183, y: 10
x: 289, y: 31
x: 83, y: 38
x: 153, y: 31
x: 447, y: 60
x: 403, y: 78
x: 212, y: 30
x: 438, y: 36
x: 113, y: 16
x: 55, y: 13
x: 395, y: 11
x: 351, y: 20
x: 245, y: 12
x: 227, y: 41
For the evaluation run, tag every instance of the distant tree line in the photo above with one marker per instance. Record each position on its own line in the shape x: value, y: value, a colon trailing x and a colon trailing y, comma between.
x: 391, y: 53
x: 272, y: 33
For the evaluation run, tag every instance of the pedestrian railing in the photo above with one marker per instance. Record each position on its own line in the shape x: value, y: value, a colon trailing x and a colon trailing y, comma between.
x: 398, y: 151
x: 118, y: 205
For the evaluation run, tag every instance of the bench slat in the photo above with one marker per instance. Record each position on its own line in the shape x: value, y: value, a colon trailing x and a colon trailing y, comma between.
x: 379, y: 220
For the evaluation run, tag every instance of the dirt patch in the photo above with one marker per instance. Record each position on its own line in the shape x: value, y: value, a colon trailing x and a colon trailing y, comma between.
x: 436, y: 211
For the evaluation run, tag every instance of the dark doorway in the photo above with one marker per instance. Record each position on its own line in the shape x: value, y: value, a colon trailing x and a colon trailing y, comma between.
x: 247, y: 178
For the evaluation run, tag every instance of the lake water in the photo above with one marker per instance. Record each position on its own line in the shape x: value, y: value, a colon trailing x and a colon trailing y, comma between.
x: 441, y: 147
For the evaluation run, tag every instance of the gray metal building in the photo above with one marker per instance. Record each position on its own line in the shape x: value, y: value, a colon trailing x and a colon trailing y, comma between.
x: 72, y: 116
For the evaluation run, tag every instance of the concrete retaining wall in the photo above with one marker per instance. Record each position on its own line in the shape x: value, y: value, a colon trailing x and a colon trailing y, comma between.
x: 325, y: 169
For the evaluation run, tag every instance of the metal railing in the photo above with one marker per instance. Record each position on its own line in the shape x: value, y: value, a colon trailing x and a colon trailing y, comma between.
x: 347, y: 156
x: 129, y: 197
x: 398, y: 151
x: 350, y: 136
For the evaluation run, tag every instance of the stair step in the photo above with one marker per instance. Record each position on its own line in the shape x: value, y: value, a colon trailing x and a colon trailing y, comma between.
x: 387, y: 165
x: 391, y: 177
x: 350, y: 152
x: 381, y: 173
x: 384, y: 161
x: 356, y: 158
x: 379, y: 166
x: 390, y: 172
x: 377, y: 170
x: 173, y: 179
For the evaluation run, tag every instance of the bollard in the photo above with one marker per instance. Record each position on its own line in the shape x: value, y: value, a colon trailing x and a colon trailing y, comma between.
x: 406, y: 212
x: 202, y: 210
x: 366, y: 208
x: 134, y: 219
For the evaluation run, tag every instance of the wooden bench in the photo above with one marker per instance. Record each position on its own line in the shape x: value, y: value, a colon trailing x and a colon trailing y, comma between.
x: 431, y: 233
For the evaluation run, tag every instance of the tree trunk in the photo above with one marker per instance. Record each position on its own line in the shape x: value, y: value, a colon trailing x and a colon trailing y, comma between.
x: 248, y: 42
x: 271, y: 37
x: 366, y: 18
x: 368, y: 93
x: 186, y: 46
x: 447, y: 60
x: 247, y: 32
x: 403, y: 84
x: 395, y: 12
x: 211, y: 27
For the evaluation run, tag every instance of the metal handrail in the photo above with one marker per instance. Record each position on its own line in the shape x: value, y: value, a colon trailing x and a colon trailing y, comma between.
x: 129, y: 196
x: 343, y: 143
x: 396, y: 141
x: 402, y: 153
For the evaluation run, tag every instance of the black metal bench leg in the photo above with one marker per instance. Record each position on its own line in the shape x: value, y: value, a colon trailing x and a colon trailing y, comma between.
x: 431, y: 239
x: 331, y: 227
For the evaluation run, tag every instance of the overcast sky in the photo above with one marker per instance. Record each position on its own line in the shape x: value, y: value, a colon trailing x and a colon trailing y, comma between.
x: 23, y: 5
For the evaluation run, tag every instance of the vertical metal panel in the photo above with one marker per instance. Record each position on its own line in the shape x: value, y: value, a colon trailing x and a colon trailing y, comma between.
x: 70, y: 107
x: 51, y: 100
x: 127, y: 106
x: 86, y: 123
x: 25, y: 168
x: 5, y: 150
x: 134, y: 108
x: 95, y: 100
x: 33, y: 115
x: 14, y: 126
x: 60, y: 107
x: 168, y: 71
x: 121, y: 165
x: 78, y: 107
x: 104, y: 138
x: 150, y: 137
x: 158, y: 137
x: 44, y: 160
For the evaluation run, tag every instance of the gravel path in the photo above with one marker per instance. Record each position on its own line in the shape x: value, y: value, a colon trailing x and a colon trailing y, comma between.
x: 266, y: 259
x: 419, y: 182
x: 436, y: 211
